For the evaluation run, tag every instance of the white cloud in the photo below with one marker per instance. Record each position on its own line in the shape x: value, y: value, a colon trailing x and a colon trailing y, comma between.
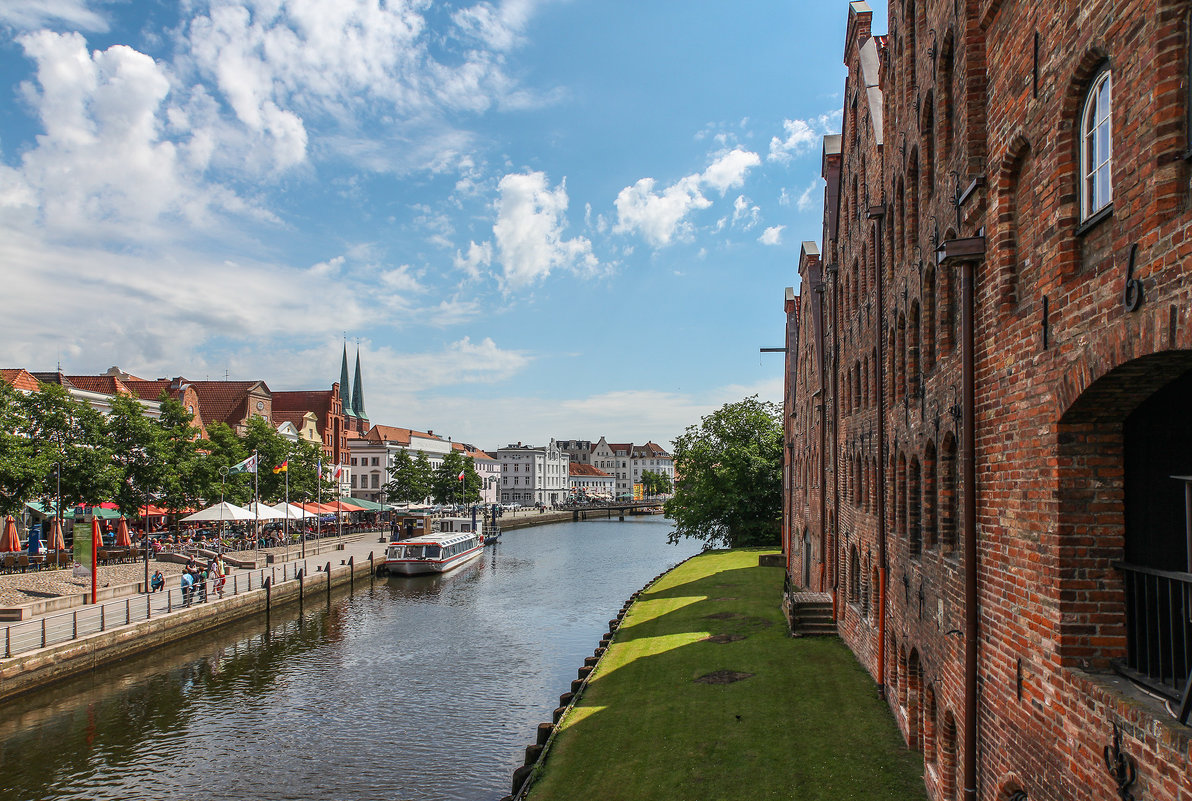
x: 772, y: 235
x: 529, y: 231
x: 30, y: 14
x: 745, y: 214
x: 802, y: 136
x: 659, y: 217
x: 478, y: 256
x: 729, y: 170
x: 808, y: 197
x: 106, y: 165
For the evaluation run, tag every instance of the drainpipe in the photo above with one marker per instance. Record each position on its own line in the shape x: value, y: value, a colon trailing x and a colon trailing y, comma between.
x: 877, y: 214
x: 968, y: 253
x: 971, y: 612
x: 823, y: 428
x: 835, y: 368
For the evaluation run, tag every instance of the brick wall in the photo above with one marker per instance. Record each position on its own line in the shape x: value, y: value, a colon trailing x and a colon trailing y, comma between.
x: 981, y: 103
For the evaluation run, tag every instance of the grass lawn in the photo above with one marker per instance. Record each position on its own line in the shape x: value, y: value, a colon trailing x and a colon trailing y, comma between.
x: 807, y: 724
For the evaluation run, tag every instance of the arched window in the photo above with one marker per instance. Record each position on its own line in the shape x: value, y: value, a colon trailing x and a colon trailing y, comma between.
x: 854, y: 575
x: 1096, y: 147
x: 914, y: 506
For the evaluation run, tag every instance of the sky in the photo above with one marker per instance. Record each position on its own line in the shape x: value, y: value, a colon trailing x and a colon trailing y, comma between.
x: 533, y: 218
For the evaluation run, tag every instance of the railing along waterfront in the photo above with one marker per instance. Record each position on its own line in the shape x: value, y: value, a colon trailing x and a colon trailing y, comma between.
x: 1159, y: 631
x: 24, y: 636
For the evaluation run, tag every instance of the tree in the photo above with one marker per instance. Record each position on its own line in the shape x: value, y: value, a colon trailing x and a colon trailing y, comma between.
x: 272, y: 449
x: 656, y: 483
x: 730, y: 469
x: 22, y: 463
x: 138, y: 454
x: 71, y: 434
x: 187, y: 472
x: 410, y: 482
x: 445, y: 484
x: 224, y: 449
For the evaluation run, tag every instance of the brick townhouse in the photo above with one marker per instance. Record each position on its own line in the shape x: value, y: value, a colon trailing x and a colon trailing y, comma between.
x: 989, y: 392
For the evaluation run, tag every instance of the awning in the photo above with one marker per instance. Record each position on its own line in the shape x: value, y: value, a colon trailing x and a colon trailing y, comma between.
x: 368, y: 506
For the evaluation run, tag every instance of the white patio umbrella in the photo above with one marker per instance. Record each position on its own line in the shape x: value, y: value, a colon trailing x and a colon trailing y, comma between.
x: 263, y: 511
x: 220, y: 511
x: 292, y: 512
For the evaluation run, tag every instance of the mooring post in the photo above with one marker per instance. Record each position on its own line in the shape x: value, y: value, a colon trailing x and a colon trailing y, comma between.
x: 328, y: 568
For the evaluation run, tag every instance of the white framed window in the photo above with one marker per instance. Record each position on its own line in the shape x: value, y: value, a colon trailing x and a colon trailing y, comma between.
x: 1096, y: 147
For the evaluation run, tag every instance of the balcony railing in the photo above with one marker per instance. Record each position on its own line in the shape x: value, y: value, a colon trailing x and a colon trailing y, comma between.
x: 1159, y: 632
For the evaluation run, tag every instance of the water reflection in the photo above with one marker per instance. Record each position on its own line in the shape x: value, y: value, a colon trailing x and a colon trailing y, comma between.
x: 418, y: 687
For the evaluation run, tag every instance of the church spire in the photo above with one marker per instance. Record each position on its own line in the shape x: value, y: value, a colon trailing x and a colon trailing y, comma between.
x: 358, y: 391
x: 344, y: 394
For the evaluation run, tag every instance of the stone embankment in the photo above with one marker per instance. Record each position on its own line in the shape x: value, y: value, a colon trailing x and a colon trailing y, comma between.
x: 42, y: 666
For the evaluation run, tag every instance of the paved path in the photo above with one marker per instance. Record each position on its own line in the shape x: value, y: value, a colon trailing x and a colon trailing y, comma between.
x: 61, y: 626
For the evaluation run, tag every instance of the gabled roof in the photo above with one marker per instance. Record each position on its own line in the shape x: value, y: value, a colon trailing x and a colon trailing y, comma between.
x: 580, y: 469
x: 102, y: 384
x: 313, y: 400
x: 296, y: 418
x: 20, y: 378
x: 225, y: 401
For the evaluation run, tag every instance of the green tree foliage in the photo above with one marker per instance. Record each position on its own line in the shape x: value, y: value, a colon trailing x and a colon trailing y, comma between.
x: 656, y: 483
x: 69, y: 433
x: 411, y: 479
x: 730, y: 476
x: 224, y: 449
x: 22, y: 462
x: 138, y: 455
x: 445, y: 484
x: 187, y: 470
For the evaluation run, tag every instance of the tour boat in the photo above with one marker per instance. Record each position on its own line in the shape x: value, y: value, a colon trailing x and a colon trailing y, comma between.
x: 456, y: 544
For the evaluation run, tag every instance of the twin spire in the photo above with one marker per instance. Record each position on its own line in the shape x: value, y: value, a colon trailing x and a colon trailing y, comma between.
x: 353, y: 403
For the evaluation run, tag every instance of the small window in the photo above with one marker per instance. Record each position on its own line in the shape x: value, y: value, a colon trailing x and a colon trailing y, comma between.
x: 1096, y: 147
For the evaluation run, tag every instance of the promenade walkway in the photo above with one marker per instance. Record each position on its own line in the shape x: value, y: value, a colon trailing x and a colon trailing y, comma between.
x: 703, y: 694
x: 122, y: 603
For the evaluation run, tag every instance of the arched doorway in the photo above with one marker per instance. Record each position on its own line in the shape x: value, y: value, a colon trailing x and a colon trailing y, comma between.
x: 1123, y: 522
x: 806, y: 560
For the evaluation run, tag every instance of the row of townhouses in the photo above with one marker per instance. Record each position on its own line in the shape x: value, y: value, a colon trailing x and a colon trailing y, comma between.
x: 336, y: 418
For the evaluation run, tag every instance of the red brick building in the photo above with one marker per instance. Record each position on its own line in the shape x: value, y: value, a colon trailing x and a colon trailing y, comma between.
x: 989, y: 390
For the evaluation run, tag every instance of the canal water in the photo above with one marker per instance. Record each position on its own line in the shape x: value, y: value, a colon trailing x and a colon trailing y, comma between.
x: 408, y: 688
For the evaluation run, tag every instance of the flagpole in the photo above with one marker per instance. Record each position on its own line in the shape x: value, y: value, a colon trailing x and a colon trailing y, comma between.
x: 286, y: 523
x: 256, y: 492
x: 318, y: 514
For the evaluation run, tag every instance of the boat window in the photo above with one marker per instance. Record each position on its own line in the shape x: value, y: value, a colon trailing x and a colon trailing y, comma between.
x: 397, y: 552
x: 433, y: 551
x: 414, y: 552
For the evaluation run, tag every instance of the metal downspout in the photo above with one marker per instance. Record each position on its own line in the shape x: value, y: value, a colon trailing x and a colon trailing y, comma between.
x: 835, y: 368
x: 879, y: 256
x: 968, y: 449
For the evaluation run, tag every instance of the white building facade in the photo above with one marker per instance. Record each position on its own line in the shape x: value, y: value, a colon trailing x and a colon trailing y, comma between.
x: 534, y: 475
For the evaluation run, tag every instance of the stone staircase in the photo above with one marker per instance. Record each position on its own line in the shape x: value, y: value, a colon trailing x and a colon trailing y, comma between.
x: 809, y: 614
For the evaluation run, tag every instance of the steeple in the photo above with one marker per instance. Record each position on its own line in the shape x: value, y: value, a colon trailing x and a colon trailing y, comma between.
x: 344, y: 395
x: 358, y: 391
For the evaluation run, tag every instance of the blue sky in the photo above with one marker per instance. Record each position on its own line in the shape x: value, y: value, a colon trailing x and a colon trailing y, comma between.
x: 538, y: 217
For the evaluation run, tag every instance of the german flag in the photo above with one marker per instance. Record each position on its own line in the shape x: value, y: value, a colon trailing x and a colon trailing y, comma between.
x: 283, y: 467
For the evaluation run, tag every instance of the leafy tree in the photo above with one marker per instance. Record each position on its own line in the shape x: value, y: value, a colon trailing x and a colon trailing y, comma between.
x: 472, y: 481
x: 224, y: 449
x: 272, y: 449
x: 411, y: 479
x: 445, y: 484
x: 22, y: 463
x: 138, y: 454
x: 69, y: 433
x: 304, y: 458
x: 187, y: 473
x: 730, y: 490
x: 656, y: 483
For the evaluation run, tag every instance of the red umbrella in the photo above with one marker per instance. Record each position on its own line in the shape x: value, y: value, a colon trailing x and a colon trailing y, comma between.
x: 9, y: 540
x: 57, y: 542
x: 122, y: 538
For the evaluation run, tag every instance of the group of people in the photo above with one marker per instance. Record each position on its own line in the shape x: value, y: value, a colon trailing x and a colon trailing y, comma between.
x: 196, y: 576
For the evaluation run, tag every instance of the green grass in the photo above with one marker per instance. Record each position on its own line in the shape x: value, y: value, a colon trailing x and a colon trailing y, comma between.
x: 807, y: 725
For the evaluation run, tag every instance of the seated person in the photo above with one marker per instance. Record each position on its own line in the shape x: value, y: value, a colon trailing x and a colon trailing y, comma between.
x: 157, y: 582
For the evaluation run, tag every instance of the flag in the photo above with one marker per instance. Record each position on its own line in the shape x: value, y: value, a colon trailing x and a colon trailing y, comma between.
x: 461, y: 475
x: 249, y: 465
x: 337, y: 472
x: 319, y: 469
x: 283, y: 467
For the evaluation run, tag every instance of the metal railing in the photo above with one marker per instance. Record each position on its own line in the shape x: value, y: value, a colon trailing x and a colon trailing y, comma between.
x: 1159, y: 630
x: 23, y: 636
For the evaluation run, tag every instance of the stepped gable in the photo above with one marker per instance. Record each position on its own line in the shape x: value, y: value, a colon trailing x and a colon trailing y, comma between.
x: 20, y: 379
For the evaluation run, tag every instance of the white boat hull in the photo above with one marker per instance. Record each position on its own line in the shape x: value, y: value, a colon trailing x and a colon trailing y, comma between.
x: 418, y: 567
